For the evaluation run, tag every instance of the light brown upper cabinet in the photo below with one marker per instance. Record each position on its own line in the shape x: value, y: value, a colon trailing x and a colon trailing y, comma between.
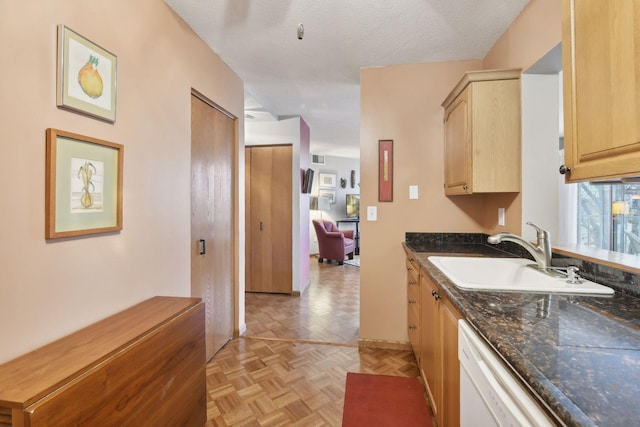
x: 601, y: 63
x: 482, y: 134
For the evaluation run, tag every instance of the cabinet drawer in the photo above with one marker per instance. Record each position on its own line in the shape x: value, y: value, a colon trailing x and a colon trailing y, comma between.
x: 413, y: 313
x: 413, y: 299
x: 414, y: 329
x: 413, y: 291
x: 412, y: 272
x: 414, y: 339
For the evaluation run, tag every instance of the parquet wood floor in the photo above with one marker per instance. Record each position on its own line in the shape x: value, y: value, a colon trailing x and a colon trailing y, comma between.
x: 328, y: 311
x: 290, y: 367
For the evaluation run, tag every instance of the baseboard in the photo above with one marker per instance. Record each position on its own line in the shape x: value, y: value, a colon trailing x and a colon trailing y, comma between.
x: 382, y: 344
x: 237, y: 333
x: 303, y: 290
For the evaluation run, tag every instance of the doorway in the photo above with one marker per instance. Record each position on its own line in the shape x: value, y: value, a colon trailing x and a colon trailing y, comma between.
x: 212, y: 144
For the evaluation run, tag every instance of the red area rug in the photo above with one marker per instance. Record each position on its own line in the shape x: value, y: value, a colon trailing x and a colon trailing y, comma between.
x: 383, y: 400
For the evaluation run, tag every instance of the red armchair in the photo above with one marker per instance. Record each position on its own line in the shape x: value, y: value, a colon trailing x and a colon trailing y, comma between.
x: 333, y: 244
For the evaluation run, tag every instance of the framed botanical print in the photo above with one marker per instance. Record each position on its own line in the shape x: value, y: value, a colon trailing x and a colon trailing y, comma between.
x: 83, y: 193
x: 86, y: 76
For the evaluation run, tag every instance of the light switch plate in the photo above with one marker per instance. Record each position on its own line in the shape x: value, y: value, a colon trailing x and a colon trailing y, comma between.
x: 413, y: 192
x: 372, y: 213
x: 501, y: 216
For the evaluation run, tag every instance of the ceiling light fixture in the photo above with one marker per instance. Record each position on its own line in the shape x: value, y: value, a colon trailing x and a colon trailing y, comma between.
x: 300, y: 31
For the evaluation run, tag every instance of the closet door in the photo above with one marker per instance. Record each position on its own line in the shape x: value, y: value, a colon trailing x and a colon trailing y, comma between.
x: 269, y: 219
x: 212, y: 142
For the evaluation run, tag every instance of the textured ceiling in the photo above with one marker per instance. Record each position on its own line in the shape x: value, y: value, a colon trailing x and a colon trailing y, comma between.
x: 318, y: 77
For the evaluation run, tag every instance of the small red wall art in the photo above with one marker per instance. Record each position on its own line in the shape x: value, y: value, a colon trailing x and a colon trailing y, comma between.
x: 385, y: 171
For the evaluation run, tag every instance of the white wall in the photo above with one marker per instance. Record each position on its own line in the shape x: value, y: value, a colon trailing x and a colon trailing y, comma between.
x: 540, y: 146
x: 341, y: 167
x: 289, y: 131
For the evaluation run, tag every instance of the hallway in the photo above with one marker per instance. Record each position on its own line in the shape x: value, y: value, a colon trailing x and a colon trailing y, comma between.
x: 290, y: 366
x: 328, y: 311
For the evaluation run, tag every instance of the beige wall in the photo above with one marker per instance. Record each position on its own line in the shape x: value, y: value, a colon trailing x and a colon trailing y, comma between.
x: 403, y: 103
x: 49, y: 289
x: 533, y: 33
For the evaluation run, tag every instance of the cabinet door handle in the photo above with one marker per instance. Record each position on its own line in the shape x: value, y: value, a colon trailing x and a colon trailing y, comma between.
x: 564, y: 169
x: 411, y: 327
x: 412, y: 301
x: 412, y: 282
x: 203, y: 247
x: 260, y: 225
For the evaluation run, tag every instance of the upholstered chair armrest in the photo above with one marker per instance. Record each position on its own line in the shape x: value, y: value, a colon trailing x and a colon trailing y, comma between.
x: 335, y: 234
x: 347, y: 233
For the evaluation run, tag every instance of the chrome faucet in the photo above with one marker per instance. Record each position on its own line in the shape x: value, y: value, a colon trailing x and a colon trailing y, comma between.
x: 541, y: 253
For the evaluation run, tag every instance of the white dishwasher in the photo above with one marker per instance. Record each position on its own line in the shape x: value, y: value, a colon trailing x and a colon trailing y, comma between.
x: 490, y: 395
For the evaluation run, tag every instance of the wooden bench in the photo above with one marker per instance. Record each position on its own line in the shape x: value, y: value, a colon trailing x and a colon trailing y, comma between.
x: 142, y: 366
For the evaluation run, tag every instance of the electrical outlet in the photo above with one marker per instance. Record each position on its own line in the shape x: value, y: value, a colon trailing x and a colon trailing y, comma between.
x: 501, y: 216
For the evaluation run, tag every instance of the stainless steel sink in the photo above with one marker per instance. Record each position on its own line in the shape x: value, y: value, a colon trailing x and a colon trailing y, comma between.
x: 509, y: 274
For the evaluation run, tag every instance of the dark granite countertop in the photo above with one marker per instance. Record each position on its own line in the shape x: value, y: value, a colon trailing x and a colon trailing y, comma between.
x: 580, y: 355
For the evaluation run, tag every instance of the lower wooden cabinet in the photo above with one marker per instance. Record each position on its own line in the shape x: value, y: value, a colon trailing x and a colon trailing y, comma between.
x: 414, y: 306
x: 440, y: 366
x: 430, y: 366
x: 433, y: 332
x: 450, y: 377
x: 144, y: 366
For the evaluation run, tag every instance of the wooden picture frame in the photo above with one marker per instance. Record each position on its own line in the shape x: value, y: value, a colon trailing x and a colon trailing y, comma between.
x: 83, y: 189
x: 385, y: 170
x: 87, y: 76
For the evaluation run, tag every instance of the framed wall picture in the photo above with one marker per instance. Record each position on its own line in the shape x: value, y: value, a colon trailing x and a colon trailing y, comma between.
x: 385, y: 171
x: 329, y: 194
x: 307, y: 180
x: 86, y: 76
x: 327, y: 180
x: 83, y: 193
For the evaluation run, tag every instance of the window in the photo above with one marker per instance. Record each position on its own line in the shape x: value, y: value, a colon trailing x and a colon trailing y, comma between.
x: 608, y: 217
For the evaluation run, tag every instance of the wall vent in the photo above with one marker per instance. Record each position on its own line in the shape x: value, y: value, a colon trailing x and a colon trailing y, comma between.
x: 317, y: 160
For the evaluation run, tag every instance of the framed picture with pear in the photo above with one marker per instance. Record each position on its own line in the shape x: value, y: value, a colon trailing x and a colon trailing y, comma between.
x: 87, y: 76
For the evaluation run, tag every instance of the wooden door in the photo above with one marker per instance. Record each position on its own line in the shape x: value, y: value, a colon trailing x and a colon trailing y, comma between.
x: 212, y: 142
x: 430, y: 342
x: 601, y: 62
x: 450, y: 411
x: 269, y: 218
x: 457, y: 146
